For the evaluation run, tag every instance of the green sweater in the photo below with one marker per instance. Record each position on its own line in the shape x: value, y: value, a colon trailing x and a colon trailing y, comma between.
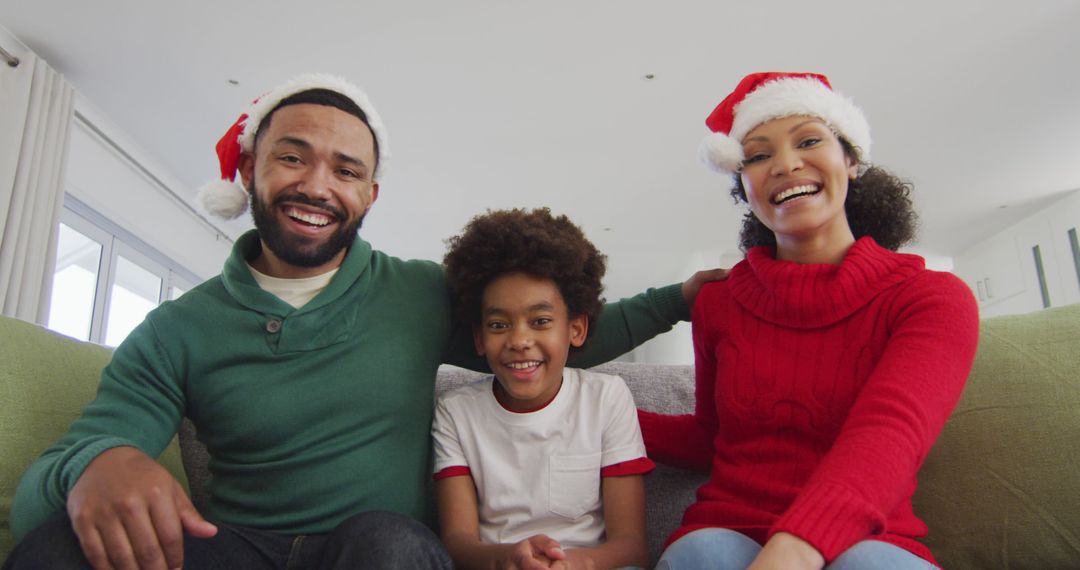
x: 309, y: 415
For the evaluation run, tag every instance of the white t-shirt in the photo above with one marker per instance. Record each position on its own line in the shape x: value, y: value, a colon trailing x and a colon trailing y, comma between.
x: 296, y: 292
x: 539, y: 472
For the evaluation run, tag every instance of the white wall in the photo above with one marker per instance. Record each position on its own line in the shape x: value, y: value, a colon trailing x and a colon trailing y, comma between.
x: 103, y: 178
x: 1001, y: 269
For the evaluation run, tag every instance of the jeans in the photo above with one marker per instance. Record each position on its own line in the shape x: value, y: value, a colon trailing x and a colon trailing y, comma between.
x: 377, y: 540
x: 723, y: 549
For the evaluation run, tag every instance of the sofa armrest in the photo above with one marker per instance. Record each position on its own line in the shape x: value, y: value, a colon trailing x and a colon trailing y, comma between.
x: 1000, y: 487
x: 45, y: 381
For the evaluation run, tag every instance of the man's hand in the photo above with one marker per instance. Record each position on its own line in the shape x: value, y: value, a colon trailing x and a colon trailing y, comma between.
x: 691, y: 286
x: 130, y: 513
x: 534, y: 553
x: 785, y: 551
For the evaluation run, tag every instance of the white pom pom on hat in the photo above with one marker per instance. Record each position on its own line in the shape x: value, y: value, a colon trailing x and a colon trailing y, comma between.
x: 761, y: 97
x: 226, y: 198
x: 223, y: 198
x: 721, y: 153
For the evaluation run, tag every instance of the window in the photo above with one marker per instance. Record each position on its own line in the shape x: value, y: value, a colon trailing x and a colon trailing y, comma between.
x: 106, y: 280
x: 75, y: 280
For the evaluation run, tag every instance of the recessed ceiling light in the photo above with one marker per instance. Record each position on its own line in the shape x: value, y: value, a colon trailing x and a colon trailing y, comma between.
x: 650, y: 76
x: 234, y: 82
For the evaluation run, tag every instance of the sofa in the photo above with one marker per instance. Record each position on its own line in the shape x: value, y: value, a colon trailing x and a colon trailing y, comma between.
x: 1001, y: 489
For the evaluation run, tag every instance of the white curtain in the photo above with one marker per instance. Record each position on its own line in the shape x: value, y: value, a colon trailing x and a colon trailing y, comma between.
x: 36, y: 110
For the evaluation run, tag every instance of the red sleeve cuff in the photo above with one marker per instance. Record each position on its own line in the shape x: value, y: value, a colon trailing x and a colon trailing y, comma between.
x: 639, y: 466
x: 453, y: 471
x: 831, y: 517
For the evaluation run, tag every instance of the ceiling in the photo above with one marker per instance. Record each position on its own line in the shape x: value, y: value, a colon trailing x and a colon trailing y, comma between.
x: 595, y: 108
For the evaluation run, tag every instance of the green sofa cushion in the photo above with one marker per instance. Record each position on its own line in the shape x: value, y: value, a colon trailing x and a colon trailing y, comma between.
x: 45, y: 381
x: 1001, y: 488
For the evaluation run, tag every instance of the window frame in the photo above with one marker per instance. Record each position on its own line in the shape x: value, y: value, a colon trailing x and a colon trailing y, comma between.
x: 116, y: 241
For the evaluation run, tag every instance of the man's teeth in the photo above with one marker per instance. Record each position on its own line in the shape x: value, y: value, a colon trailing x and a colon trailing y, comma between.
x: 313, y: 219
x: 796, y: 191
x: 524, y: 365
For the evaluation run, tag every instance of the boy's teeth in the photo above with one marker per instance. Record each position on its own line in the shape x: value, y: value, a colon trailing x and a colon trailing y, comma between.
x: 313, y: 219
x: 524, y: 365
x: 805, y: 189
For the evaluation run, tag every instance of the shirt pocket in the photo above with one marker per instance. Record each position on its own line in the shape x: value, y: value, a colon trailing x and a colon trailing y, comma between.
x: 574, y: 484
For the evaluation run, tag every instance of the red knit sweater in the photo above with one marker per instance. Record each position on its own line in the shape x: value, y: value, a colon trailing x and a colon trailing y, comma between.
x: 820, y: 389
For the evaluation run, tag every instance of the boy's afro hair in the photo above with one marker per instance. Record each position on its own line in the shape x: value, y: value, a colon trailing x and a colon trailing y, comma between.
x: 532, y: 242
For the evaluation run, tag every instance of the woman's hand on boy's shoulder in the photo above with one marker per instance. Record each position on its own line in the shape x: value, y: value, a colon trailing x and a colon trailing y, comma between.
x: 538, y: 552
x: 691, y: 286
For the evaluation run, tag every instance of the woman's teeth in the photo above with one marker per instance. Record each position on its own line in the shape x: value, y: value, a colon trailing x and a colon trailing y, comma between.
x: 804, y: 190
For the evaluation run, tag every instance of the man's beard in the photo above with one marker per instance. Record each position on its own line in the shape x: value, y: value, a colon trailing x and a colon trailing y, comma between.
x: 293, y: 249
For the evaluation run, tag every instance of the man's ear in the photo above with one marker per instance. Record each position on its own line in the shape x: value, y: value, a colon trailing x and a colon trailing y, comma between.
x: 579, y: 330
x: 246, y: 167
x: 374, y: 196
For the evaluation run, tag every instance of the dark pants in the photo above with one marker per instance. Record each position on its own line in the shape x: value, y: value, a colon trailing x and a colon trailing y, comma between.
x: 376, y: 540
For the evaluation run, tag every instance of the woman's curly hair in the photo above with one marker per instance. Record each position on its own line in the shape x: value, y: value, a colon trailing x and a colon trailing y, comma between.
x: 532, y: 242
x: 878, y: 205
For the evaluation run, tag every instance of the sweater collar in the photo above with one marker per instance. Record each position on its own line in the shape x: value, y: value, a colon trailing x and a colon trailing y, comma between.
x: 241, y: 284
x: 814, y: 295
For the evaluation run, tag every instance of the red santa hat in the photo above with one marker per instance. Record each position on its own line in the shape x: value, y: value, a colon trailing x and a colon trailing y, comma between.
x: 761, y: 97
x: 226, y: 198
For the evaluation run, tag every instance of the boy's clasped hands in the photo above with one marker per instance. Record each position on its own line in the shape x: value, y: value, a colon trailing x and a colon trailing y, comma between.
x: 541, y: 551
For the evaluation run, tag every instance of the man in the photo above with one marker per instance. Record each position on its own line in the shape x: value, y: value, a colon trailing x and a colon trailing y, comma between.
x: 307, y: 367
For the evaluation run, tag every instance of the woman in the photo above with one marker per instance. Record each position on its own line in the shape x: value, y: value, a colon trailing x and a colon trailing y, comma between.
x: 826, y: 364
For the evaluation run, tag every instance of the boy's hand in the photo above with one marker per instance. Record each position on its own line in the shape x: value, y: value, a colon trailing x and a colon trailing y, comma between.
x: 691, y: 286
x: 129, y: 512
x: 575, y: 560
x: 534, y: 553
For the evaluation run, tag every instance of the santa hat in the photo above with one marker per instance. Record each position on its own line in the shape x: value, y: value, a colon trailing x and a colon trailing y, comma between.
x: 761, y: 97
x: 226, y: 198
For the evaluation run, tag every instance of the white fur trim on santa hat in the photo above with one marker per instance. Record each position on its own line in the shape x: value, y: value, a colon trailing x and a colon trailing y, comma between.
x: 267, y: 102
x: 803, y: 96
x: 786, y: 98
x: 223, y: 199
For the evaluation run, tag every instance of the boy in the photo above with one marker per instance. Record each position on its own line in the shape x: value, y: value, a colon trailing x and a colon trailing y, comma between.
x: 542, y: 457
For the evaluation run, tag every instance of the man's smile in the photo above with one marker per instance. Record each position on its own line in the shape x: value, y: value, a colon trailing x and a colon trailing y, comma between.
x: 314, y: 219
